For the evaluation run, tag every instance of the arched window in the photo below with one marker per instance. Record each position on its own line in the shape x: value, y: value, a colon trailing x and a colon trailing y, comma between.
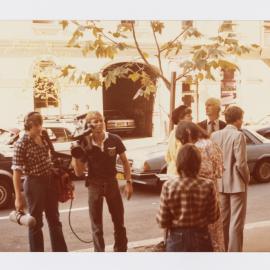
x: 45, y: 85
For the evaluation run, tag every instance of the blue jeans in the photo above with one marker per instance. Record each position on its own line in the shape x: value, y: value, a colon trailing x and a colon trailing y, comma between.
x: 188, y: 240
x: 41, y: 196
x: 109, y: 190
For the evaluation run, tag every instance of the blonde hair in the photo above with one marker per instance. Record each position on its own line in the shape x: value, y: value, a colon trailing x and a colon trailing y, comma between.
x: 92, y: 114
x: 215, y: 102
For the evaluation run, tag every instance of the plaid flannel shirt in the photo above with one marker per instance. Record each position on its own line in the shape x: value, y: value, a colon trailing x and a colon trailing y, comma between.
x: 31, y: 158
x: 188, y: 202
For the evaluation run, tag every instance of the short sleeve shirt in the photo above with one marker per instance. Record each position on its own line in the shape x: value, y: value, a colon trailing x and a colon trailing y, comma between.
x: 102, y: 162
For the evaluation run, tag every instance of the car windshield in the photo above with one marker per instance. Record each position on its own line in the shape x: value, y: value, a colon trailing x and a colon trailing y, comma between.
x: 264, y: 121
x: 6, y: 137
x: 258, y: 136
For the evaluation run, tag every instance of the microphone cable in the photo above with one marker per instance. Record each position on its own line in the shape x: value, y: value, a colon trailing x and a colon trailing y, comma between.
x: 73, y: 231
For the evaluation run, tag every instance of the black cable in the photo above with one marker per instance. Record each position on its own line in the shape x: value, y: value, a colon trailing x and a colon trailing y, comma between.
x: 69, y: 222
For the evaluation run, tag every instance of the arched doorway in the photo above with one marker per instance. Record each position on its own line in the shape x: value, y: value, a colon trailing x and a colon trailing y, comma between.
x: 119, y: 99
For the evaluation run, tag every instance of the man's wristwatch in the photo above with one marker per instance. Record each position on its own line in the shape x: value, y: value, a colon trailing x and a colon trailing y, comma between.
x: 128, y: 181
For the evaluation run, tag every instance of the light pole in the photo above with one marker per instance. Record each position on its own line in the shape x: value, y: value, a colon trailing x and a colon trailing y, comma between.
x: 172, y: 98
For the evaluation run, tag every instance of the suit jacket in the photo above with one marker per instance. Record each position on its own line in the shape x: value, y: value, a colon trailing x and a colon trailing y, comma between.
x: 203, y: 124
x: 236, y: 174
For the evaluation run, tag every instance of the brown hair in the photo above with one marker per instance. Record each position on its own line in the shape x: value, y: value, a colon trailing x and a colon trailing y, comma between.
x: 179, y: 113
x: 32, y: 119
x: 232, y: 114
x: 187, y: 129
x: 188, y: 160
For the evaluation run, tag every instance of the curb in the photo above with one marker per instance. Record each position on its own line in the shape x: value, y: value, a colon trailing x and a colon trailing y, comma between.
x: 147, y: 244
x: 132, y: 246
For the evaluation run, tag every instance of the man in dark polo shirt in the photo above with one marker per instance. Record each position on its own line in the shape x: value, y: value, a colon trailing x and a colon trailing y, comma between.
x: 101, y: 150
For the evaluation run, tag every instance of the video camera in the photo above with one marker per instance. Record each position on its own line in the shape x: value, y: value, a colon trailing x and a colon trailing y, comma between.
x: 77, y: 151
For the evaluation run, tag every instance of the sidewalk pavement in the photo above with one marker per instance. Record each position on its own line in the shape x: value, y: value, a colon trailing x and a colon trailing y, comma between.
x: 256, y: 239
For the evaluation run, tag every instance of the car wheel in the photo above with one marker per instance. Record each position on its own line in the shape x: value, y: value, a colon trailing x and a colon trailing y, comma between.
x: 262, y: 171
x: 5, y: 193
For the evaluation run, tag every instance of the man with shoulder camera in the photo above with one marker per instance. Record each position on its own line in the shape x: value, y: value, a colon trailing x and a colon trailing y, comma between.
x: 99, y: 150
x: 31, y: 157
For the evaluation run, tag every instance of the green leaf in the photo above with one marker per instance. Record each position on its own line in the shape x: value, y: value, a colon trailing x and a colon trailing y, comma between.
x: 96, y: 31
x: 116, y: 34
x: 227, y: 65
x: 157, y: 26
x: 125, y: 26
x: 65, y: 70
x: 226, y: 26
x: 200, y: 76
x: 255, y: 46
x: 121, y: 46
x: 146, y: 55
x: 64, y: 24
x: 134, y: 76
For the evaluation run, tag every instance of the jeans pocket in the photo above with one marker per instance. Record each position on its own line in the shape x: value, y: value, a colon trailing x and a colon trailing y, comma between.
x: 175, y: 242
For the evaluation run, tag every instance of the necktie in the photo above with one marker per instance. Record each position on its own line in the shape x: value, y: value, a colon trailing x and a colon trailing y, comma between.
x: 212, y: 125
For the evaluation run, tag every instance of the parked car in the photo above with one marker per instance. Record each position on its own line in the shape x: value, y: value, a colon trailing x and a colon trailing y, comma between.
x: 262, y: 126
x: 147, y: 162
x: 8, y: 135
x: 61, y: 136
x: 116, y: 121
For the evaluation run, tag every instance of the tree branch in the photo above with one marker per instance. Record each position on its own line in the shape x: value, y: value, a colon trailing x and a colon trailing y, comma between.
x: 158, y: 74
x: 158, y: 49
x: 102, y: 33
x: 171, y: 42
x: 183, y: 75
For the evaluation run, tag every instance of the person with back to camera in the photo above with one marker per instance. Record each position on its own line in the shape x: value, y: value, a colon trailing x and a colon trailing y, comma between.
x: 100, y: 151
x: 31, y: 157
x: 234, y: 182
x: 188, y: 204
x: 211, y: 168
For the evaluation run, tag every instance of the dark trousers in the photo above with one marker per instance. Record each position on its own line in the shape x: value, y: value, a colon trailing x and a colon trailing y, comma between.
x: 41, y: 196
x: 111, y: 192
x: 188, y: 240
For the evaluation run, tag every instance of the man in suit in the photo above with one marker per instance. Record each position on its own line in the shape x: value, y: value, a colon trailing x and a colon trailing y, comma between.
x: 235, y: 179
x: 212, y: 108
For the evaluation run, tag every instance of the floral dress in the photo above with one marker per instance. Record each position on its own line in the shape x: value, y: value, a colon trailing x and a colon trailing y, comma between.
x: 212, y: 168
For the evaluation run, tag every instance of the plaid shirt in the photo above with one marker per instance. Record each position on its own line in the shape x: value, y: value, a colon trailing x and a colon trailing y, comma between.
x: 188, y: 202
x: 31, y: 158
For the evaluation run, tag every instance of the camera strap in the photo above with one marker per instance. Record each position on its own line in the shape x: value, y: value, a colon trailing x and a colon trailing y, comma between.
x: 19, y: 216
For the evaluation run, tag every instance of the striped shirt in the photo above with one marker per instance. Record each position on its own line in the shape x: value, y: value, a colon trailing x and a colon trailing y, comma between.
x: 188, y: 202
x: 31, y: 158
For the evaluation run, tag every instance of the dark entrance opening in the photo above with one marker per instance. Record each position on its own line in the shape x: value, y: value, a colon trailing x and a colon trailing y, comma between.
x: 119, y: 104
